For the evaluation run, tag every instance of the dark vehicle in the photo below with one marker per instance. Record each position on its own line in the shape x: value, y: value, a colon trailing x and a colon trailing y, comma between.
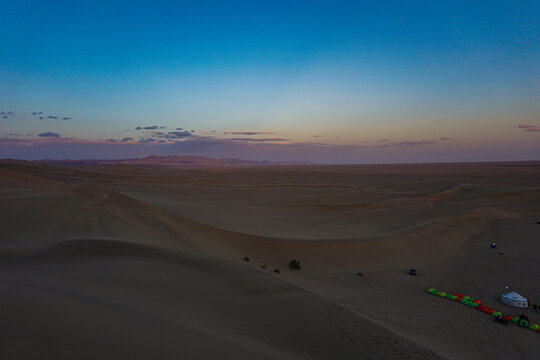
x: 500, y: 320
x: 412, y: 272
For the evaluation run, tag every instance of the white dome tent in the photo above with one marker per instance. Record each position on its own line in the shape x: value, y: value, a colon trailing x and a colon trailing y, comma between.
x: 514, y: 299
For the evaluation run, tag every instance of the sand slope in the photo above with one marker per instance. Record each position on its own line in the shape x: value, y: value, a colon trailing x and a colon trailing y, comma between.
x: 106, y: 264
x: 121, y: 279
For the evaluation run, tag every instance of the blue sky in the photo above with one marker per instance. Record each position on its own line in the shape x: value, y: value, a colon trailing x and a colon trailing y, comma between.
x: 328, y: 75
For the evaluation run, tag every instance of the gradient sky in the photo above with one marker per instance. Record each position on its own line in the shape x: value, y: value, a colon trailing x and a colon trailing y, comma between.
x: 325, y: 81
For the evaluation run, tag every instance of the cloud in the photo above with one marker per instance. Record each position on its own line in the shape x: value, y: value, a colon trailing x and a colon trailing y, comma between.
x: 50, y: 134
x: 126, y: 139
x: 147, y: 140
x: 53, y: 117
x: 13, y: 135
x: 249, y: 132
x: 207, y: 133
x: 529, y: 128
x: 176, y: 135
x: 110, y: 140
x: 179, y: 129
x: 259, y: 139
x: 415, y: 143
x: 389, y: 143
x: 154, y: 127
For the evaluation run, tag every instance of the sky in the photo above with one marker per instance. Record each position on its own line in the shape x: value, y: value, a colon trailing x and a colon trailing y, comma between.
x: 321, y: 81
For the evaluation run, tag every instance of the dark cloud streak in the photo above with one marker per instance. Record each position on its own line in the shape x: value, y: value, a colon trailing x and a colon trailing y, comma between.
x: 259, y: 139
x: 249, y: 132
x: 147, y: 140
x: 176, y: 135
x: 50, y: 134
x: 153, y: 127
x: 529, y: 128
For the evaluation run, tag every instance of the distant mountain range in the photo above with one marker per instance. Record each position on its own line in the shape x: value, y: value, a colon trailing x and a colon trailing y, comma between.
x: 172, y: 160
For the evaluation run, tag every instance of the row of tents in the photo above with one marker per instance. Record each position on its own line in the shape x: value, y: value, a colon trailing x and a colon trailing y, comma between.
x: 477, y: 304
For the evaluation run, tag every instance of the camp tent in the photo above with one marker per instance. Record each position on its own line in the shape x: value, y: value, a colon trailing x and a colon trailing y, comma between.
x: 514, y: 299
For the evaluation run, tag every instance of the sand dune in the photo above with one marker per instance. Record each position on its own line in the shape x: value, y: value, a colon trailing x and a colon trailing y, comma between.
x: 10, y: 178
x: 98, y: 272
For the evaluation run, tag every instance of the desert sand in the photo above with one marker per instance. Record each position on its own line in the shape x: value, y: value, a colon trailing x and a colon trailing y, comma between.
x: 141, y: 262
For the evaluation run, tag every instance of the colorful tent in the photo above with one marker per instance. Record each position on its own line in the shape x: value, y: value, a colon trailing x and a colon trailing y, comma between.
x: 514, y: 299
